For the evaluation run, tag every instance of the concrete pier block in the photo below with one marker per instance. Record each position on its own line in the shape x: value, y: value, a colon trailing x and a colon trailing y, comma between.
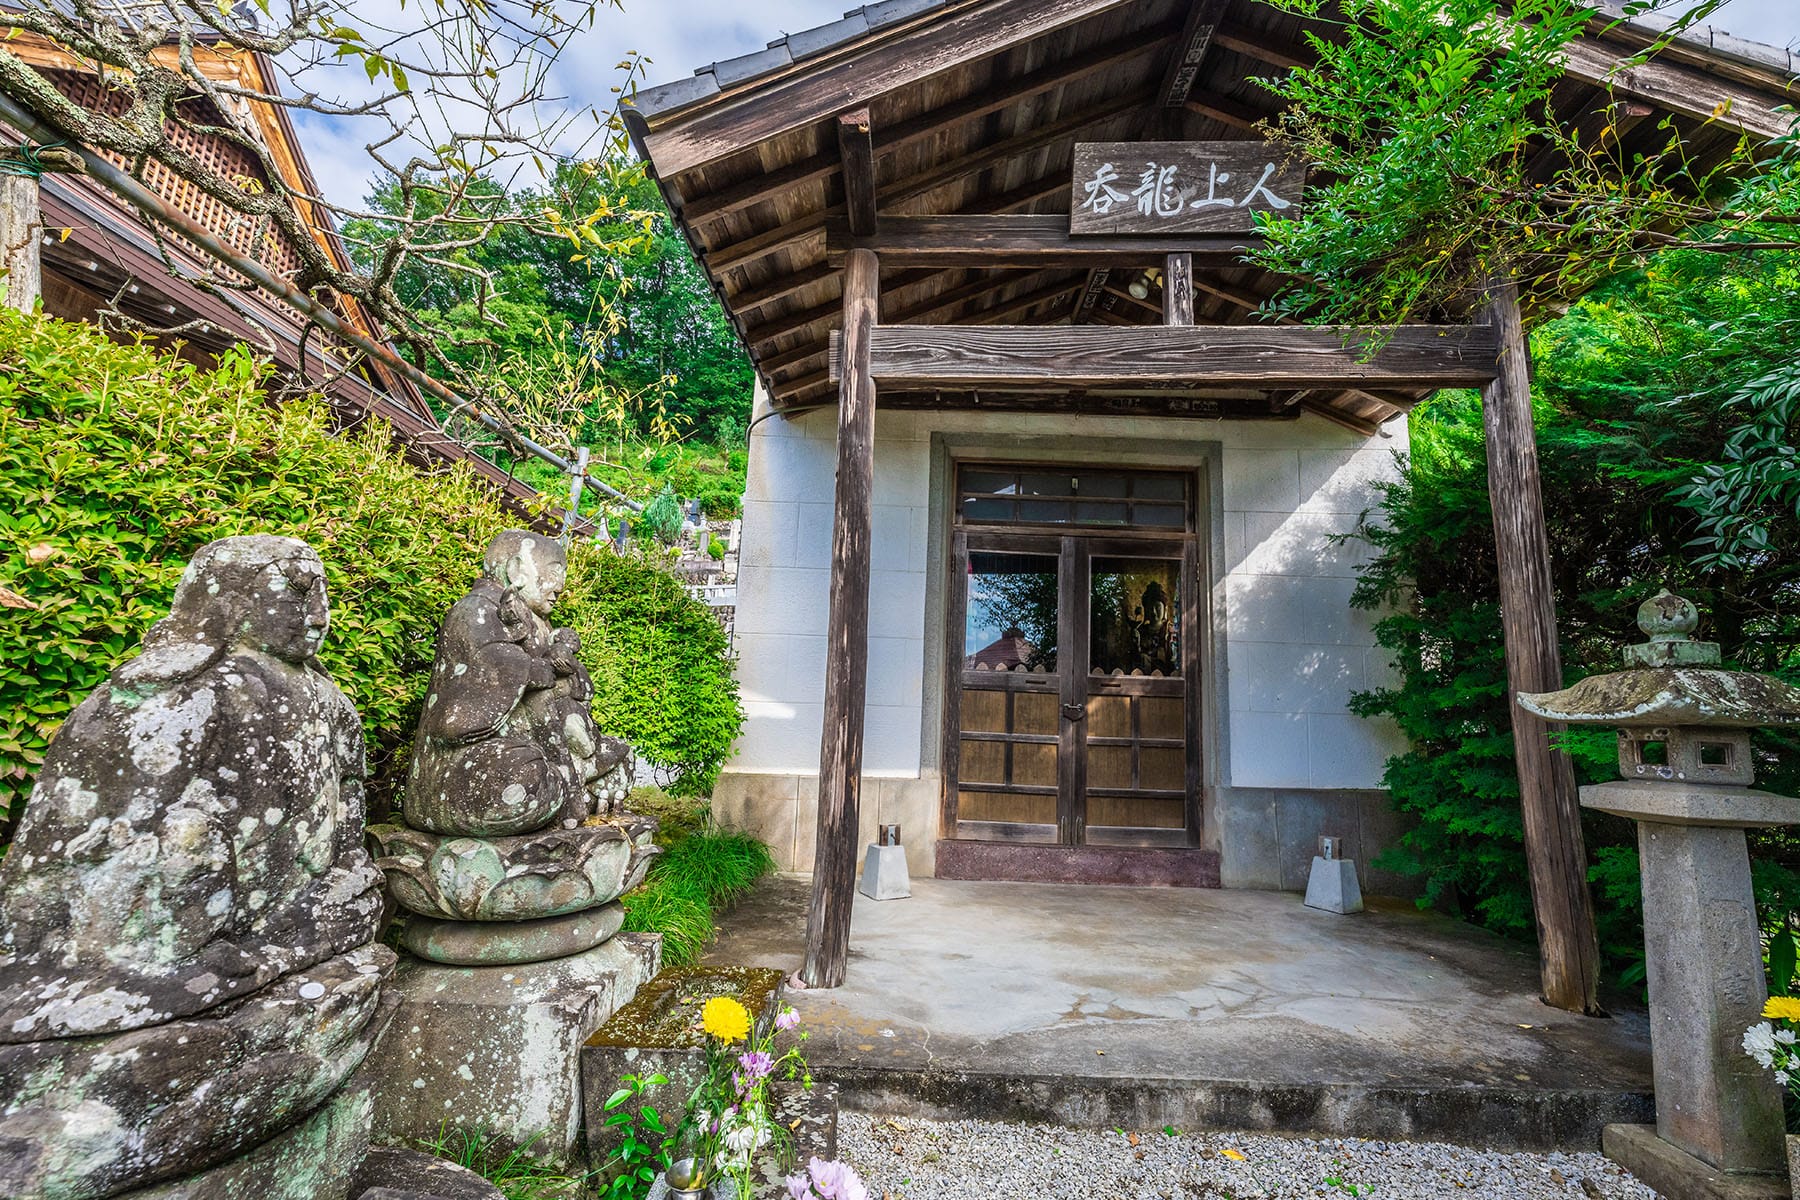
x: 1332, y: 886
x: 885, y: 876
x: 497, y: 1049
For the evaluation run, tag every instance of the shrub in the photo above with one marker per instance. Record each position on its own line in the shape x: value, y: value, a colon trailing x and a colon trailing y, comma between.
x: 702, y: 870
x: 1635, y: 396
x: 661, y: 664
x: 117, y: 462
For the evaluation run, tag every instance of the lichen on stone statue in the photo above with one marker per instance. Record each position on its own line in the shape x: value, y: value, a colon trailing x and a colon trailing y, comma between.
x: 514, y: 805
x: 187, y: 913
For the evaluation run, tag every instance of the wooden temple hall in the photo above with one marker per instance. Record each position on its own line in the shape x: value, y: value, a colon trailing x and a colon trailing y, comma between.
x: 1040, y: 558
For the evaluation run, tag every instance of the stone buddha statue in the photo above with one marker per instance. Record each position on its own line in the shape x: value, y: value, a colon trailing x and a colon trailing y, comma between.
x: 187, y: 913
x: 507, y: 741
x: 512, y: 811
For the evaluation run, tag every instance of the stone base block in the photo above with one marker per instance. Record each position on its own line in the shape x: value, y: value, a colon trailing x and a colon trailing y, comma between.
x: 659, y: 1033
x: 315, y: 1160
x: 1674, y: 1174
x: 885, y: 876
x: 1332, y: 886
x: 505, y: 943
x: 496, y: 1050
x: 390, y: 1174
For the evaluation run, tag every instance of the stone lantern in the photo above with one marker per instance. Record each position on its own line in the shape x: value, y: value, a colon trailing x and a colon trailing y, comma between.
x: 1684, y: 754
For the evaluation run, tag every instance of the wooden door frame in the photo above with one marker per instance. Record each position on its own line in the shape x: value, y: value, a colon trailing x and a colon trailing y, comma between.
x: 1196, y: 631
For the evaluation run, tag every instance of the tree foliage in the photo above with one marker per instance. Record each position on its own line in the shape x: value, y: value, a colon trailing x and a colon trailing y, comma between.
x: 662, y: 362
x: 117, y: 462
x: 1638, y: 392
x: 1439, y: 163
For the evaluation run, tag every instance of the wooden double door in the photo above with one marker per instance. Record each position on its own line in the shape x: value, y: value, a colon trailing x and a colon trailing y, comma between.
x: 1074, y: 687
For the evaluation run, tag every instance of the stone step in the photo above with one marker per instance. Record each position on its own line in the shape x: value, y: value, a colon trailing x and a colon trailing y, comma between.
x: 1525, y: 1117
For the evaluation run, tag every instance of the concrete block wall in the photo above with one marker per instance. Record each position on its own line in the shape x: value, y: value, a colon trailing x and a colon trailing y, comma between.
x: 1293, y: 650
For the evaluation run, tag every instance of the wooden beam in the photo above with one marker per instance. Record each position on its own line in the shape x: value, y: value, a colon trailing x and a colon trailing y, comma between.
x: 856, y: 151
x: 1026, y: 240
x: 1288, y: 57
x: 1190, y: 50
x: 945, y: 43
x: 1568, y: 956
x: 1227, y: 111
x: 846, y: 640
x: 1173, y: 355
x: 779, y: 288
x: 1698, y: 95
x: 989, y: 157
x: 935, y: 123
x: 931, y: 306
x: 1178, y: 290
x: 1091, y: 292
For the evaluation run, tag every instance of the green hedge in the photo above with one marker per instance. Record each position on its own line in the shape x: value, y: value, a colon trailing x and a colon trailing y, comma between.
x: 117, y: 462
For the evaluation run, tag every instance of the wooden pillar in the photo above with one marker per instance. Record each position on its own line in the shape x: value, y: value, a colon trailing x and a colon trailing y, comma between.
x: 847, y: 637
x: 1568, y: 955
x: 1178, y: 290
x: 21, y: 242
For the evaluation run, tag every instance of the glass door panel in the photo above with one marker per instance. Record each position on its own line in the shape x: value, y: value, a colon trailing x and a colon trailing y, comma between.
x: 1134, y: 607
x: 1009, y: 718
x: 1136, y: 789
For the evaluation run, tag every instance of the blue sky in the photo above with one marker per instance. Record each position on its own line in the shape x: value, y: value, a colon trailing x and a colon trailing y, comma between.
x: 680, y: 35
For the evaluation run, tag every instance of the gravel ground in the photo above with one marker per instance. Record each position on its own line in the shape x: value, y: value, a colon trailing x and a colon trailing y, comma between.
x: 908, y: 1159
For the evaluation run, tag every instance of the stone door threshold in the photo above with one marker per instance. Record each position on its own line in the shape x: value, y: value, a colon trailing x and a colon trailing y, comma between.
x: 1129, y: 866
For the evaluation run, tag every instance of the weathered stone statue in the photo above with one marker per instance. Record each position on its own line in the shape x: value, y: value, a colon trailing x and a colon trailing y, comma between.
x: 513, y: 806
x: 187, y: 913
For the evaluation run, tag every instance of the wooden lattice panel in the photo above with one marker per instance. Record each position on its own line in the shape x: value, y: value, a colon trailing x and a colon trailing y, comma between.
x: 249, y: 236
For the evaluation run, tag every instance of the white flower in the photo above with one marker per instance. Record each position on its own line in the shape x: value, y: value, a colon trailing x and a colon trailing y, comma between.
x: 742, y: 1139
x: 1782, y: 1077
x: 1759, y: 1043
x: 1785, y: 1036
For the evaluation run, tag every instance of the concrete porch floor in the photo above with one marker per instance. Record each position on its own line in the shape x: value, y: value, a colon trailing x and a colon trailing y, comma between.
x: 1144, y: 1007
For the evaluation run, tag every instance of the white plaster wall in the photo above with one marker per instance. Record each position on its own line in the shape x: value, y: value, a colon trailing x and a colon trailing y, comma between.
x: 1295, y: 650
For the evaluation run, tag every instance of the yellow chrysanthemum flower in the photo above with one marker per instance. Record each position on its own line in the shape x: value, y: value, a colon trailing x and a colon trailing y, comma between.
x: 725, y: 1019
x: 1783, y: 1008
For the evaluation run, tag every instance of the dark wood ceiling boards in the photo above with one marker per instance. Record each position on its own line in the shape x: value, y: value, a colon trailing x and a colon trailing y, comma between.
x: 974, y: 107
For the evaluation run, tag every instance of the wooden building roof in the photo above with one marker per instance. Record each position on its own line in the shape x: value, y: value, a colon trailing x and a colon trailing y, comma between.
x: 974, y: 107
x: 110, y: 256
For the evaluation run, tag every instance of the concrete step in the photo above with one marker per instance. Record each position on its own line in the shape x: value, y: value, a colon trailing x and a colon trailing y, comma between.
x: 1485, y: 1116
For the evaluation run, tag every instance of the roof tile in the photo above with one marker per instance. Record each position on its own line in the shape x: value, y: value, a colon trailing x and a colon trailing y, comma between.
x: 809, y: 42
x: 749, y: 66
x: 652, y: 100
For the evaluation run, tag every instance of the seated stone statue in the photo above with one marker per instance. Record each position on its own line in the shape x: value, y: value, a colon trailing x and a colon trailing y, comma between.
x: 187, y: 913
x: 507, y: 742
x: 512, y: 805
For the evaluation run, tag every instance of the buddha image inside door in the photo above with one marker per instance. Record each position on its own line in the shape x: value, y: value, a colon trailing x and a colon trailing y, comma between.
x: 1009, y: 745
x: 1136, y: 722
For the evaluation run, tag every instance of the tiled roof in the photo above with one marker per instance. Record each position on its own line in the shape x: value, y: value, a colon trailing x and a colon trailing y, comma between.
x: 785, y: 51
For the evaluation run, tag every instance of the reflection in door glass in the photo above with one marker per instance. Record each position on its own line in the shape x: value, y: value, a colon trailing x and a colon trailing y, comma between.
x: 1135, y: 605
x: 1011, y: 610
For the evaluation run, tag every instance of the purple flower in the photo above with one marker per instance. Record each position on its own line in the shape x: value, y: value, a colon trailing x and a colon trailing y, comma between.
x: 836, y: 1181
x: 786, y: 1019
x: 799, y: 1187
x: 756, y: 1063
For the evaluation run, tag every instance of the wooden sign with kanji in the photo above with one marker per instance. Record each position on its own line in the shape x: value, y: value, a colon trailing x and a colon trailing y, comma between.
x: 1180, y: 187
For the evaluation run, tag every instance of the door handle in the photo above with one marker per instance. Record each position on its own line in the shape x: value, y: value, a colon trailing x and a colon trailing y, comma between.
x: 1074, y: 712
